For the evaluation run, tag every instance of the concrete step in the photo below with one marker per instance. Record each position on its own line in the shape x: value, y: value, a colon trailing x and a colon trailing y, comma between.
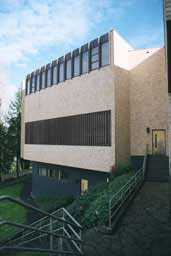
x: 157, y: 178
x: 158, y: 171
x: 157, y: 168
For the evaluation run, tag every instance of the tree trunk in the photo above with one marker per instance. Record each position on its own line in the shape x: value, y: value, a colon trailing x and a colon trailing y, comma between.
x: 17, y: 167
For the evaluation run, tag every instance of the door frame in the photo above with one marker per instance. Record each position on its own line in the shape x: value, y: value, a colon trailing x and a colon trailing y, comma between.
x: 164, y: 140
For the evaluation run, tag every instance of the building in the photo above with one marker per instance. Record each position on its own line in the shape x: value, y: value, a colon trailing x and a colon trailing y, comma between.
x: 167, y: 32
x: 99, y: 105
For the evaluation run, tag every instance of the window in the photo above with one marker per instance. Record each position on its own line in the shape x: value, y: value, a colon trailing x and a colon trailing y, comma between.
x: 84, y: 55
x: 94, y: 58
x: 43, y: 77
x: 48, y: 73
x: 43, y: 171
x: 59, y: 175
x: 104, y: 41
x: 68, y: 66
x: 54, y: 72
x: 76, y: 63
x: 32, y: 83
x: 61, y: 69
x: 84, y: 186
x: 38, y: 81
x: 28, y: 86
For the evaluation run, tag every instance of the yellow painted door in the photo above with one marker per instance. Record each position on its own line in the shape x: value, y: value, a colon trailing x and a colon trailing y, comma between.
x: 84, y: 186
x: 159, y: 142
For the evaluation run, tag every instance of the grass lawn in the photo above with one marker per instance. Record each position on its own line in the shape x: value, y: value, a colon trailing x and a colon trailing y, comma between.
x: 11, y: 211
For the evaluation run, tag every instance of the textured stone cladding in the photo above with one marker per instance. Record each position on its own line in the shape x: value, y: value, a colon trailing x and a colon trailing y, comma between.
x: 122, y: 115
x: 148, y: 101
x: 88, y: 93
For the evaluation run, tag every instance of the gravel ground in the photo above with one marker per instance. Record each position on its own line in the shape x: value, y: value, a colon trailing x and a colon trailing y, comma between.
x: 145, y: 229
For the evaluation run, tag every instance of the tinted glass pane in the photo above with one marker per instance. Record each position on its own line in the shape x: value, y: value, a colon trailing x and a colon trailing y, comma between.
x: 55, y: 75
x: 84, y: 62
x: 49, y: 77
x: 77, y: 65
x: 105, y: 54
x: 43, y: 79
x: 38, y: 82
x: 28, y: 86
x: 94, y: 58
x: 94, y: 65
x: 61, y: 72
x: 68, y: 69
x: 32, y: 84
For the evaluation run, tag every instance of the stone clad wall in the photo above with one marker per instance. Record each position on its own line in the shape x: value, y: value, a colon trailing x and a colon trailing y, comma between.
x: 148, y: 101
x: 122, y: 115
x: 88, y: 93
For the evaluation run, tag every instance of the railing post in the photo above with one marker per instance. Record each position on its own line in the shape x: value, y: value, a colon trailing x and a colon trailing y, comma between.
x: 60, y: 240
x: 51, y: 236
x: 135, y: 179
x: 110, y: 215
x: 80, y: 240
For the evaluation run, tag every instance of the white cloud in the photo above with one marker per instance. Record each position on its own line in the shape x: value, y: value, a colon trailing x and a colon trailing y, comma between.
x: 29, y: 25
x: 7, y: 90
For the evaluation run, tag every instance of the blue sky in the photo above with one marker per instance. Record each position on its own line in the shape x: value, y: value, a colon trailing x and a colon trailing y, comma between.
x: 35, y: 32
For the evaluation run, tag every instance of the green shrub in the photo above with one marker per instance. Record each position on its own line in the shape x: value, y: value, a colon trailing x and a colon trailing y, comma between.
x: 53, y: 203
x: 96, y: 211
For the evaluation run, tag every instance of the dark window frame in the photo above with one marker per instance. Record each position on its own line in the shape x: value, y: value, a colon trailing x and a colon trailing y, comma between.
x: 68, y: 57
x: 76, y: 53
x: 32, y: 79
x: 43, y: 70
x: 104, y: 39
x: 37, y: 88
x: 84, y: 49
x: 48, y: 69
x: 93, y: 45
x: 54, y: 64
x: 61, y: 60
x: 28, y: 89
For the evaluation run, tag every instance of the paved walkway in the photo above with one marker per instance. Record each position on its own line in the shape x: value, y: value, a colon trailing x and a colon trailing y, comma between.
x: 145, y: 229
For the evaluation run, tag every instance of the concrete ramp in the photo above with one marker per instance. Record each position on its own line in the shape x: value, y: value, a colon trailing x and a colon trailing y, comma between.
x: 145, y: 229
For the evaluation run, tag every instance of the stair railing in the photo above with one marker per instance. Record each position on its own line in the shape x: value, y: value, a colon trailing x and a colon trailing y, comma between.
x: 124, y: 195
x: 62, y: 232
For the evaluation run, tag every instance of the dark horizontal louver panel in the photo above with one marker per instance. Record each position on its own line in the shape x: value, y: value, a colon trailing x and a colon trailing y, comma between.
x: 92, y: 129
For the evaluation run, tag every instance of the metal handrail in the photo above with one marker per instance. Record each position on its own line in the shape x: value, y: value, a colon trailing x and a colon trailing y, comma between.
x: 28, y: 206
x: 125, y: 185
x: 41, y: 221
x: 48, y: 229
x: 7, y: 222
x: 120, y: 197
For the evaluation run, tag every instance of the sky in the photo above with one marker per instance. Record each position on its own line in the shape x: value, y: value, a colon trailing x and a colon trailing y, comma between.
x: 35, y: 32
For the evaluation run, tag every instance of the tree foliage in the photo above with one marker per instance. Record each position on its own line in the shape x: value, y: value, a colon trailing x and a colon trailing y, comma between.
x: 10, y: 131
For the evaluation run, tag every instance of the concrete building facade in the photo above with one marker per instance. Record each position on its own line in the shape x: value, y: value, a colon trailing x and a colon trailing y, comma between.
x: 102, y: 104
